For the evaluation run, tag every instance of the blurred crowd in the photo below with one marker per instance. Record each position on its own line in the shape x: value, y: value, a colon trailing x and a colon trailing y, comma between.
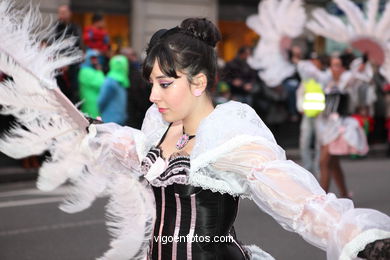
x: 366, y: 100
x: 109, y: 85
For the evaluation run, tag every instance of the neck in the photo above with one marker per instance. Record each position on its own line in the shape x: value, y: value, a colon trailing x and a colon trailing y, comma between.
x: 202, y: 110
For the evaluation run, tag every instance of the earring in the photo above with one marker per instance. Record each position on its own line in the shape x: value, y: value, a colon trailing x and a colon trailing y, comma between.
x: 197, y: 92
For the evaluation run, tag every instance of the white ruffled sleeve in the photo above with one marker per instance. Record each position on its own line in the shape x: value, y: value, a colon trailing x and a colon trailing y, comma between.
x: 293, y: 197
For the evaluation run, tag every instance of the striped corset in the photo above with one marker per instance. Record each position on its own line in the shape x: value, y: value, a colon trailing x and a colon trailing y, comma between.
x: 191, y: 222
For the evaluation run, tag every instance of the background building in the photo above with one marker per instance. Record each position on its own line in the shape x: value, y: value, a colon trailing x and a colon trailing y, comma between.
x: 132, y: 22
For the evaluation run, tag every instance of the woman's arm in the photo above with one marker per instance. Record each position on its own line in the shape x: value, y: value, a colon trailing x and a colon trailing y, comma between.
x: 293, y: 197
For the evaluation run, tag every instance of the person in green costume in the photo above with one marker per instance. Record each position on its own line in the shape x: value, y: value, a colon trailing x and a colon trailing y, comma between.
x: 91, y: 78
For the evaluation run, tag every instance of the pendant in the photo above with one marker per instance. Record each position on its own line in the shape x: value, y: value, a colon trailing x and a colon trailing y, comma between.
x: 183, y: 140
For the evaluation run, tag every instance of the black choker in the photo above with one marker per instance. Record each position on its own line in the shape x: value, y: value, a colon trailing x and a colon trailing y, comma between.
x: 183, y: 140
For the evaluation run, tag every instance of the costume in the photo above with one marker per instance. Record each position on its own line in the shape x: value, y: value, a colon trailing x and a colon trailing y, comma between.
x: 278, y: 22
x: 363, y: 31
x: 235, y: 155
x: 90, y: 82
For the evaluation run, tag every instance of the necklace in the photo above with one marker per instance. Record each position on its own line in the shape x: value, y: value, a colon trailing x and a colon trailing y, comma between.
x: 183, y: 140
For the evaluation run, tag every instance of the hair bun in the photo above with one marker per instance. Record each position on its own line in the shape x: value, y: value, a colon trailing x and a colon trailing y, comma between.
x: 202, y: 29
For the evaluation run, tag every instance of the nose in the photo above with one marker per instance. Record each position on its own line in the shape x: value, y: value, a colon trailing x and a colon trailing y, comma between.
x: 154, y: 94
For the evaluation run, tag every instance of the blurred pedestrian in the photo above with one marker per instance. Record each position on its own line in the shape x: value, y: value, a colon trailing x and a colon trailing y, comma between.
x: 91, y: 78
x: 96, y: 37
x: 338, y: 133
x: 67, y: 76
x: 113, y: 94
x: 240, y: 76
x: 138, y: 95
x: 292, y: 83
x: 310, y: 103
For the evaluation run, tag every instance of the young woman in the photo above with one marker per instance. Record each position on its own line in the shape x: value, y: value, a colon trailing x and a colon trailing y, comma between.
x: 200, y: 159
x: 174, y: 186
x: 338, y: 133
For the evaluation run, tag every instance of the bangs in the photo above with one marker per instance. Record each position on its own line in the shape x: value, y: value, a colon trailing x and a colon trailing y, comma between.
x: 165, y: 58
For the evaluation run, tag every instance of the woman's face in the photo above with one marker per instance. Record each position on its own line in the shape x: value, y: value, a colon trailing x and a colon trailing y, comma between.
x: 172, y: 96
x: 336, y: 67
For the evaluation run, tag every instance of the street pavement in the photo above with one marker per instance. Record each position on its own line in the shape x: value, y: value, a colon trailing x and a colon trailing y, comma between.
x: 32, y: 226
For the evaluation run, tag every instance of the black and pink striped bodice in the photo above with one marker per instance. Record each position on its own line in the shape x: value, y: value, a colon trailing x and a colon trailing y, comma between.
x: 196, y: 217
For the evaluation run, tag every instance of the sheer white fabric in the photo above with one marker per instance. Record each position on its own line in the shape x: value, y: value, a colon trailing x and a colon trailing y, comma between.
x: 293, y: 197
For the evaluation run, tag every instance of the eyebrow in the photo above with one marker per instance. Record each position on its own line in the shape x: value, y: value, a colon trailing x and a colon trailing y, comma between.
x: 162, y: 77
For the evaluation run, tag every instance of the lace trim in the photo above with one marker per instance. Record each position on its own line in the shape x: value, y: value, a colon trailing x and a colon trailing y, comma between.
x: 353, y: 247
x: 204, y: 159
x: 205, y: 182
x: 177, y: 170
x: 180, y: 179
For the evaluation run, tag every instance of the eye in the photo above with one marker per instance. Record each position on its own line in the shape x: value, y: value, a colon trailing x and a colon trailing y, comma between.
x: 165, y: 84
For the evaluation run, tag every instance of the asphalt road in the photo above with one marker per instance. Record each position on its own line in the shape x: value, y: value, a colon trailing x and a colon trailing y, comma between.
x: 32, y: 226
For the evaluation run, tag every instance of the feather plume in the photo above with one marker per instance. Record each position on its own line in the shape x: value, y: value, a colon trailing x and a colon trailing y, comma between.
x: 359, y: 27
x: 135, y: 200
x: 276, y: 20
x: 354, y: 15
x: 328, y: 26
x: 383, y: 24
x: 372, y: 11
x: 48, y: 121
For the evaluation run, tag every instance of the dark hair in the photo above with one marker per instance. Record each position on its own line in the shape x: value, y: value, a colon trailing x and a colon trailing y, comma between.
x: 188, y: 48
x: 96, y: 17
x: 243, y: 50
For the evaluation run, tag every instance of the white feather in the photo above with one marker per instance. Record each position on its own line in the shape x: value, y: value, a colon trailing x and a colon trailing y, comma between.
x: 328, y: 26
x: 43, y: 123
x: 131, y: 215
x: 372, y: 12
x: 354, y: 15
x: 383, y: 24
x: 378, y: 31
x: 275, y: 21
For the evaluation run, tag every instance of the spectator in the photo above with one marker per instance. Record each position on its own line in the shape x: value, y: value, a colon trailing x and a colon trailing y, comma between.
x: 67, y: 78
x: 91, y: 77
x: 291, y: 84
x: 96, y: 37
x: 240, y: 76
x: 310, y: 102
x: 113, y: 97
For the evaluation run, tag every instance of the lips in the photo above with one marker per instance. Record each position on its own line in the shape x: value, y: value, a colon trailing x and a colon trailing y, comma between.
x: 162, y: 110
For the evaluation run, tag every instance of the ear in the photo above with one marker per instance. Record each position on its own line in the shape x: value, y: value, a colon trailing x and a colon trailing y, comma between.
x: 199, y: 84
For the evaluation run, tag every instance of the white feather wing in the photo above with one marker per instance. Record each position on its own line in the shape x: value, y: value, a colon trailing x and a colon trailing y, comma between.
x: 45, y: 122
x: 328, y: 25
x: 354, y: 15
x: 275, y: 21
